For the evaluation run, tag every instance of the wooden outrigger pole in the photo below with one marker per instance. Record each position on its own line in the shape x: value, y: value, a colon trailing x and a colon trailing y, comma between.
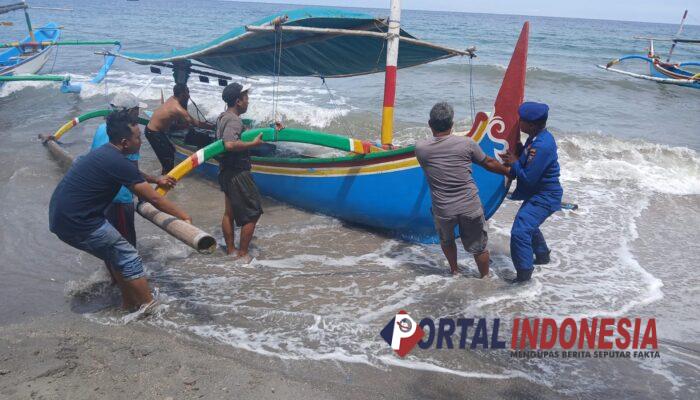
x: 680, y: 30
x: 181, y: 230
x: 392, y: 56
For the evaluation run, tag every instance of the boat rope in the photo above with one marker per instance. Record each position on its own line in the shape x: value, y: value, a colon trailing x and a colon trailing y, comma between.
x: 199, y: 112
x: 143, y: 89
x: 472, y: 103
x: 335, y: 106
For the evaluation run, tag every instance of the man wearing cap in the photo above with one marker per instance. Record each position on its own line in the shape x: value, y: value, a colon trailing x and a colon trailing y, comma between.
x: 242, y: 199
x: 169, y: 116
x: 447, y: 160
x: 537, y: 172
x: 120, y: 213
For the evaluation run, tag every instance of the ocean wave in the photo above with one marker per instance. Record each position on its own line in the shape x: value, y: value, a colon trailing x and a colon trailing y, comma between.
x: 649, y: 166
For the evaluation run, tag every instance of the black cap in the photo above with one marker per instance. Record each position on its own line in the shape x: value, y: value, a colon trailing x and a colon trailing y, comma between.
x: 233, y: 91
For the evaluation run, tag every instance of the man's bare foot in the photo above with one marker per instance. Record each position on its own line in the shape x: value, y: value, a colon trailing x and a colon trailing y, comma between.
x: 231, y: 251
x: 143, y: 311
x: 243, y: 258
x: 455, y: 272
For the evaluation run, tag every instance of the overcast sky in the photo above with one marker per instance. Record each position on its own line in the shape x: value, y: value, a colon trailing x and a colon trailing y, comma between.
x: 669, y: 11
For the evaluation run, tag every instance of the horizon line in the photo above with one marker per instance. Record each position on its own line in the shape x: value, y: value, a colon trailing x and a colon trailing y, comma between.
x: 467, y: 12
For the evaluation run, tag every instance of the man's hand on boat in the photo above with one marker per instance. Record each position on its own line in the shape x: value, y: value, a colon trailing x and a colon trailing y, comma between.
x: 166, y: 182
x: 508, y: 158
x: 258, y: 140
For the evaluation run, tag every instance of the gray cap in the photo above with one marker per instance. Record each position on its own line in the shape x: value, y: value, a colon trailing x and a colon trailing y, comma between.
x: 233, y: 91
x: 126, y: 101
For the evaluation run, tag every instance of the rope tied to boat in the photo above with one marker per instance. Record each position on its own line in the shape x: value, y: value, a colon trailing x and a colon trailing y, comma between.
x: 472, y: 102
x: 335, y: 106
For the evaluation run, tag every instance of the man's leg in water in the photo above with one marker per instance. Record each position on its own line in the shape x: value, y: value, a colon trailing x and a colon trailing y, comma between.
x: 228, y: 227
x: 445, y: 227
x: 475, y: 239
x: 247, y: 231
x: 129, y: 267
x: 137, y: 291
x: 482, y: 262
x: 128, y: 300
x: 450, y: 251
x: 108, y: 244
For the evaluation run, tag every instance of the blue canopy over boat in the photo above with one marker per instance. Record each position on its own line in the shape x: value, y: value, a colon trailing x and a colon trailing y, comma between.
x: 322, y: 42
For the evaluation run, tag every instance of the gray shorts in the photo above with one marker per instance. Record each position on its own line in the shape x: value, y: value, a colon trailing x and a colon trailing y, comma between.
x: 243, y: 195
x: 471, y: 231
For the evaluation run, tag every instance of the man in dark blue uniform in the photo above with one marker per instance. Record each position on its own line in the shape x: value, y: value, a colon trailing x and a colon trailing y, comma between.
x: 537, y: 172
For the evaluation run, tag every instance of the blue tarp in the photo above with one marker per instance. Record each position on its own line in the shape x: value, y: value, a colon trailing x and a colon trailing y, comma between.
x: 303, y: 53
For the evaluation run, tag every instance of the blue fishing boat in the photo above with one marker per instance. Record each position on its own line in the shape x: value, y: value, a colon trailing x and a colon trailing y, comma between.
x: 667, y: 72
x: 28, y: 56
x: 378, y: 186
x: 23, y: 59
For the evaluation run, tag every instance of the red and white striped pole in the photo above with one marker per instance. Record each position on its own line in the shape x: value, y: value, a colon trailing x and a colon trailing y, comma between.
x: 392, y: 55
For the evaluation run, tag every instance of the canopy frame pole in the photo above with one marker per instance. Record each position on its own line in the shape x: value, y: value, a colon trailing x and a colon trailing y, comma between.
x: 29, y: 23
x: 392, y: 57
x: 358, y: 32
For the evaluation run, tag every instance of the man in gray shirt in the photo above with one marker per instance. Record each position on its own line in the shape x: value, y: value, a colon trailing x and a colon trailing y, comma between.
x: 242, y: 198
x: 447, y: 162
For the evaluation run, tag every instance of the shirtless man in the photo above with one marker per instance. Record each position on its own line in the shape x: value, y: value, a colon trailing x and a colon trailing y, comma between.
x: 168, y: 117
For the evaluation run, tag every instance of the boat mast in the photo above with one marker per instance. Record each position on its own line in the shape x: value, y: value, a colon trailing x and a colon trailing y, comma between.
x: 29, y: 22
x: 392, y: 55
x: 680, y: 30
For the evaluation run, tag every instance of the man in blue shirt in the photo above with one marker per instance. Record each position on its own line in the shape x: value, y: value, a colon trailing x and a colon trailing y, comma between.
x: 78, y: 204
x: 537, y: 172
x: 121, y: 212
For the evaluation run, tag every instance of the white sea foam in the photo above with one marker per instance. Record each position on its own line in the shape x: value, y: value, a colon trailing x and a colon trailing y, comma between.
x: 297, y: 100
x: 13, y: 87
x: 642, y: 165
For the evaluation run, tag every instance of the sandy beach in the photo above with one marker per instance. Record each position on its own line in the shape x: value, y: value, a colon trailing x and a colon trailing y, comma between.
x: 67, y: 357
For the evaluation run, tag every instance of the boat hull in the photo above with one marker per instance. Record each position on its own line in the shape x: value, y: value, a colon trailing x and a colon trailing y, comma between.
x: 388, y: 193
x: 35, y: 62
x: 670, y: 71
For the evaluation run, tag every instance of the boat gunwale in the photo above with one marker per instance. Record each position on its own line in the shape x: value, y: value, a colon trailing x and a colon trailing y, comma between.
x: 310, y: 162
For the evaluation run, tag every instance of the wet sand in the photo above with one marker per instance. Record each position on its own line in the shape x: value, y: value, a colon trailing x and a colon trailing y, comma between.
x: 67, y: 357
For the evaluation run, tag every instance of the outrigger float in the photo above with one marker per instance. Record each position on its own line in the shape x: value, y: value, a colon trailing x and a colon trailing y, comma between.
x: 377, y: 186
x: 660, y: 71
x: 25, y: 58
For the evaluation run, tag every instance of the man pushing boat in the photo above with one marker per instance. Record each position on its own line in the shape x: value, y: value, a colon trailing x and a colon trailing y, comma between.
x: 78, y: 204
x: 170, y: 116
x: 447, y: 160
x: 536, y: 168
x: 241, y: 196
